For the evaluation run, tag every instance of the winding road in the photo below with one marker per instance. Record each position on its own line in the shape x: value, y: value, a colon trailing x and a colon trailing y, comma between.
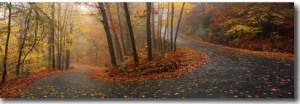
x: 229, y: 74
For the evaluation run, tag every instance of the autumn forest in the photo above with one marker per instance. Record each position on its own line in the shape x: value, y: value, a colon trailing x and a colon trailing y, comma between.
x: 146, y: 50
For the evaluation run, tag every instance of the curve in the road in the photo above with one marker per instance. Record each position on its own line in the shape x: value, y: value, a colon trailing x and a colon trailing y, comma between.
x: 229, y: 74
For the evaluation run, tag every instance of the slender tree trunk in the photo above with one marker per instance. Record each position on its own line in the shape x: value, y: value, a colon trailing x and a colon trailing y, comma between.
x: 49, y: 46
x: 49, y: 52
x: 127, y: 37
x: 136, y: 59
x: 165, y: 44
x: 128, y: 41
x: 6, y: 44
x: 152, y: 23
x: 148, y: 4
x: 77, y: 53
x: 178, y: 26
x: 108, y: 35
x: 35, y: 39
x: 118, y: 47
x: 20, y: 50
x: 121, y: 30
x: 63, y: 52
x: 65, y: 33
x: 69, y: 42
x: 59, y: 37
x: 52, y: 36
x: 68, y: 49
x: 68, y: 54
x: 160, y: 28
x: 171, y: 35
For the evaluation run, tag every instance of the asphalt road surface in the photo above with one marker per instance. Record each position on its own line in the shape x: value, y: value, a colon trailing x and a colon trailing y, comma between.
x: 229, y: 74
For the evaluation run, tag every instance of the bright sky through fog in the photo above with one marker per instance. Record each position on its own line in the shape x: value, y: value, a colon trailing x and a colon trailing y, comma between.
x: 84, y: 8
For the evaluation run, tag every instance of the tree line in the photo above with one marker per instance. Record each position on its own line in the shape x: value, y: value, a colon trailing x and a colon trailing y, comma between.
x: 36, y: 35
x: 253, y: 26
x: 151, y: 17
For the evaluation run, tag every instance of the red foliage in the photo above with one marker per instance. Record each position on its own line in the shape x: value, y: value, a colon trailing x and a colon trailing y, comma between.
x: 219, y: 16
x: 184, y: 60
x: 15, y: 85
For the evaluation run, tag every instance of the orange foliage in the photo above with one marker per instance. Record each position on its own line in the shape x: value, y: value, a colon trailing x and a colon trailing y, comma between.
x: 15, y: 85
x: 184, y: 60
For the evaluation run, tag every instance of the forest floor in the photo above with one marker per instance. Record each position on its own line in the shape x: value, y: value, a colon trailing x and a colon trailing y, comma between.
x: 184, y: 60
x: 228, y: 74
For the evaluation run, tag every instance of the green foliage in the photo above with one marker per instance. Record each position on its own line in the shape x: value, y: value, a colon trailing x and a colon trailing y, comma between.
x: 239, y: 31
x: 283, y: 16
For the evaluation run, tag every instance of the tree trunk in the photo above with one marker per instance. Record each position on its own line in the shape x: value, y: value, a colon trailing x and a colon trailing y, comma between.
x: 59, y: 37
x: 49, y: 49
x: 63, y: 46
x: 49, y: 52
x: 165, y: 45
x: 118, y: 47
x: 152, y: 23
x: 77, y: 53
x: 68, y: 49
x: 159, y: 32
x: 158, y: 28
x: 20, y: 50
x: 128, y: 41
x: 35, y: 39
x: 6, y: 44
x: 136, y: 60
x: 52, y: 36
x: 127, y: 36
x: 108, y: 35
x: 69, y: 42
x: 148, y: 4
x: 67, y: 63
x: 63, y: 52
x: 178, y: 26
x: 171, y: 35
x: 121, y: 30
